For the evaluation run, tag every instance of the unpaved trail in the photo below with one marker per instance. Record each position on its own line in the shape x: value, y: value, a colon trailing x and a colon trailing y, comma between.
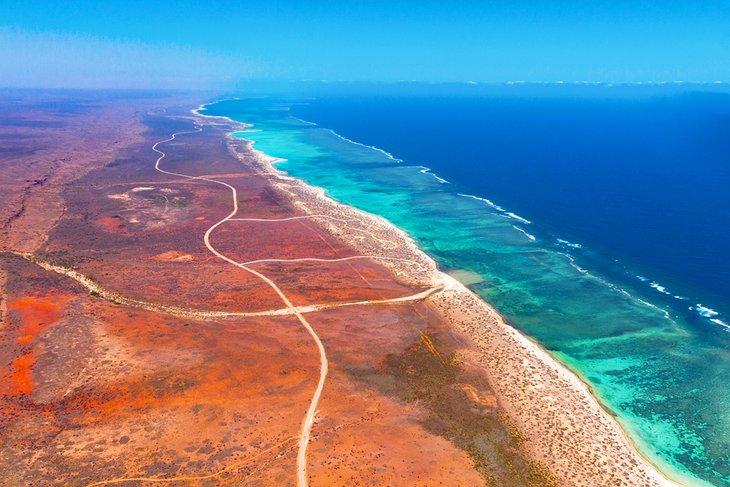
x: 290, y: 308
x: 202, y: 314
x: 308, y: 421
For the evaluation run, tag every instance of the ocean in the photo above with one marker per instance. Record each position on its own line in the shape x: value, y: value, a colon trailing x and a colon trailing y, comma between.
x: 595, y: 219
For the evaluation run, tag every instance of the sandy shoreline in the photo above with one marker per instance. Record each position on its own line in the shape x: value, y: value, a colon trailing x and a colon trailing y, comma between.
x: 565, y: 428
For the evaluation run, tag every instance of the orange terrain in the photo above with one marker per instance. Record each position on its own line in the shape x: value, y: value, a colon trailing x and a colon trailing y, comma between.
x: 132, y: 354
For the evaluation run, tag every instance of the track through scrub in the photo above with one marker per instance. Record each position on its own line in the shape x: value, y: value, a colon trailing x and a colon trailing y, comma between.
x: 340, y: 259
x: 190, y: 478
x: 308, y: 421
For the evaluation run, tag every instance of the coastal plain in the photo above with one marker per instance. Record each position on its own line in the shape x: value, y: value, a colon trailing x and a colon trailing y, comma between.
x: 153, y: 328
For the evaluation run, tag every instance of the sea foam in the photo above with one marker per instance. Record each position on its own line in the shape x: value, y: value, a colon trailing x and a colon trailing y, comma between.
x: 426, y: 170
x: 483, y: 200
x: 569, y: 244
x: 528, y: 235
x: 616, y: 288
x: 376, y: 149
x: 706, y: 312
x: 517, y: 217
x: 660, y: 288
x: 718, y: 321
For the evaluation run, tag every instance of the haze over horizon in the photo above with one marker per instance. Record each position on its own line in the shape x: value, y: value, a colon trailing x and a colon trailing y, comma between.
x: 190, y: 45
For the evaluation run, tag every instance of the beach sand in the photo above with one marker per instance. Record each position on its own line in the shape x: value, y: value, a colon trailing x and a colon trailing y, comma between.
x: 563, y: 426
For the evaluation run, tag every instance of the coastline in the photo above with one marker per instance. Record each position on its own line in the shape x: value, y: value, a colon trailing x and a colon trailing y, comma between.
x: 565, y: 427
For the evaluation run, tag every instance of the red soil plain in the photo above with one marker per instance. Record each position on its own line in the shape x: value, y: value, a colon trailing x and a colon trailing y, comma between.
x: 152, y: 379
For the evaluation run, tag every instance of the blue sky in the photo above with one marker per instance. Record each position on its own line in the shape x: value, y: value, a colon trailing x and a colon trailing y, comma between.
x: 195, y: 44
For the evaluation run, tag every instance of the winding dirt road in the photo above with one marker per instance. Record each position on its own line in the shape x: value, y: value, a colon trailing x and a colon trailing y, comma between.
x: 306, y: 430
x: 204, y: 314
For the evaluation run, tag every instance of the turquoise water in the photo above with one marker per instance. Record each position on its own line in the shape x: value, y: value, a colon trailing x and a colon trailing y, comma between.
x: 662, y: 377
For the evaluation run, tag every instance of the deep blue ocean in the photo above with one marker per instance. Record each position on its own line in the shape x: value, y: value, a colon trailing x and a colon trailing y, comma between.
x: 642, y: 180
x: 595, y: 220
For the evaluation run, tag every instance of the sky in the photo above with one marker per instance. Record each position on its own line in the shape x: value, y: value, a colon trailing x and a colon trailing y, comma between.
x: 224, y: 44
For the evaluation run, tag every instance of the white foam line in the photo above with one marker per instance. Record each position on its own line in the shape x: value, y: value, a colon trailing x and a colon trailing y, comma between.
x: 616, y: 288
x: 660, y: 288
x: 718, y: 321
x: 306, y: 122
x: 569, y: 244
x: 517, y: 217
x: 710, y: 314
x: 377, y: 149
x: 427, y: 170
x: 528, y: 235
x: 505, y: 213
x: 483, y: 200
x: 706, y: 312
x: 575, y: 265
x: 572, y: 260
